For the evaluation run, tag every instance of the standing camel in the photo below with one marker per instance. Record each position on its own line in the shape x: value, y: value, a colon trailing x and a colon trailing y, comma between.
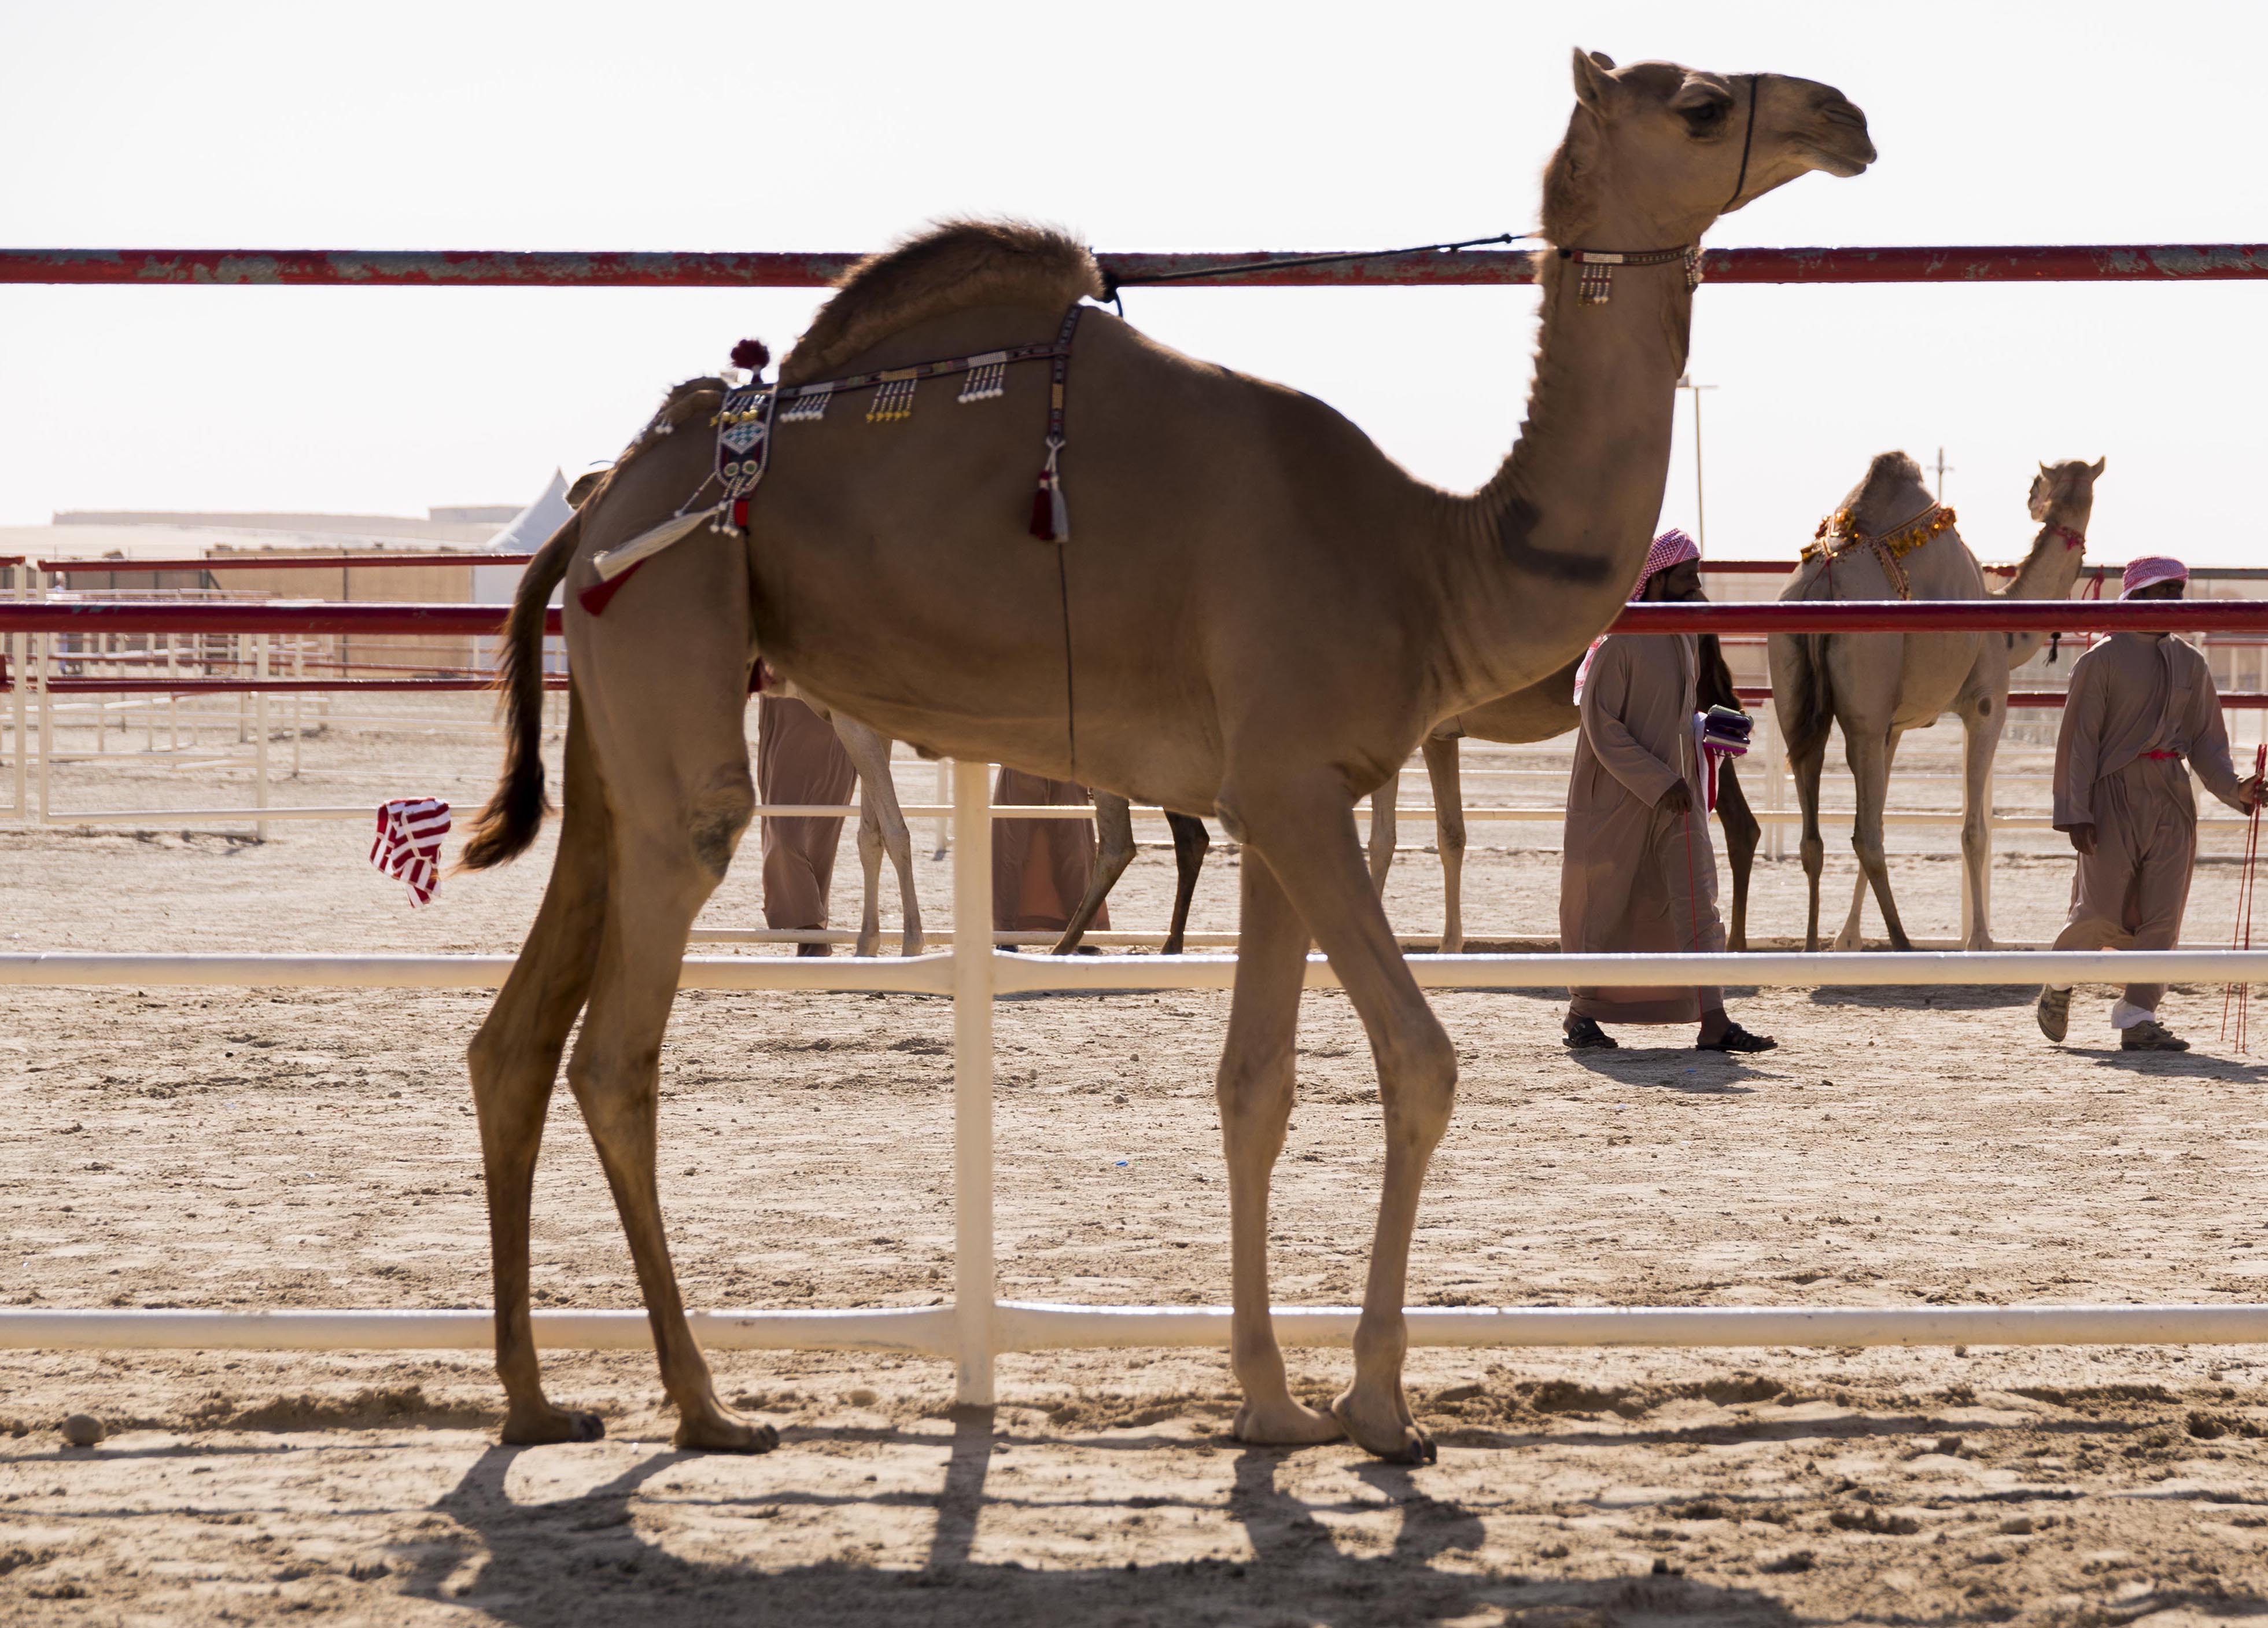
x: 1258, y: 616
x: 1888, y: 540
x: 1540, y: 713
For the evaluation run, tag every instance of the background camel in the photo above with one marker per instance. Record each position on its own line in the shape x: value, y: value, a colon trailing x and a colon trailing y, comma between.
x: 1538, y: 713
x: 1879, y: 685
x: 1259, y: 615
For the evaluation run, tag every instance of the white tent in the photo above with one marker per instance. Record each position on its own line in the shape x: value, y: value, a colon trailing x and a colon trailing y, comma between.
x: 527, y: 531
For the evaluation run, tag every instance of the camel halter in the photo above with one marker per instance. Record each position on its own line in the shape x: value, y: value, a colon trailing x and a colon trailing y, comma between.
x: 1595, y: 286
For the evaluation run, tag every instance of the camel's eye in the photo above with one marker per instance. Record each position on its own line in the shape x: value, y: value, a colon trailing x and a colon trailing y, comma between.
x: 1706, y: 118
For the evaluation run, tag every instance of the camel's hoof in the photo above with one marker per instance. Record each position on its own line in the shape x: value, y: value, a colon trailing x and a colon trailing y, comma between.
x: 912, y: 945
x: 540, y: 1427
x: 724, y: 1433
x: 1285, y: 1424
x: 866, y: 947
x: 1396, y: 1441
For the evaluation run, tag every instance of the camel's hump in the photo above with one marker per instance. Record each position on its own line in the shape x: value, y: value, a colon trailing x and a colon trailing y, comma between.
x: 951, y: 267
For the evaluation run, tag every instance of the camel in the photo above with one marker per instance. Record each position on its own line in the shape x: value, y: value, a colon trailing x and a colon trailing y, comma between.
x: 1888, y: 540
x: 1538, y: 713
x: 1258, y: 616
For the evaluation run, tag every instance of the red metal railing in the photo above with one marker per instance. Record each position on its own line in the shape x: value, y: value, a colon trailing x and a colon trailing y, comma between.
x: 477, y: 269
x: 297, y: 562
x: 1995, y: 616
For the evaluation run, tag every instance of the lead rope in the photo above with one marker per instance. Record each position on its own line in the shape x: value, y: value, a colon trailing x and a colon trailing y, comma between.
x: 2239, y: 994
x: 1051, y: 518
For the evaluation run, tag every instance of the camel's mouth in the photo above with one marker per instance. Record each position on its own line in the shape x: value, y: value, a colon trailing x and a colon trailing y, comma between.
x: 1838, y: 139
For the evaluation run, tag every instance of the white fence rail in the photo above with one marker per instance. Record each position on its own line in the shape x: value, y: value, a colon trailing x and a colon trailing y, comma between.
x: 978, y: 1326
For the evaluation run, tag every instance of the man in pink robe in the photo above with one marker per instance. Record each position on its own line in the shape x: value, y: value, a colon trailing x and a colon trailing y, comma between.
x: 1637, y: 872
x: 1040, y: 867
x: 2140, y: 704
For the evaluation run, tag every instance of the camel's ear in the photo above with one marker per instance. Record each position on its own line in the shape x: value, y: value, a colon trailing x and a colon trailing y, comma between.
x: 1592, y: 87
x: 2097, y: 469
x: 585, y: 485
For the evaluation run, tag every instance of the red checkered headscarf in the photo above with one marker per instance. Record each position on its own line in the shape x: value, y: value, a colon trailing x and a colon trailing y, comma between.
x: 2148, y: 572
x: 1672, y: 547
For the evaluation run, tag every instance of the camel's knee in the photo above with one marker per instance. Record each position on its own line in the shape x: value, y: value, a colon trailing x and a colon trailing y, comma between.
x: 1870, y: 851
x: 720, y: 813
x: 1255, y: 1096
x: 1417, y: 1084
x: 1814, y: 849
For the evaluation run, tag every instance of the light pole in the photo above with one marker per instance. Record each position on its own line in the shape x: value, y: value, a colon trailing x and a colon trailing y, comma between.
x: 1943, y: 468
x: 1700, y: 512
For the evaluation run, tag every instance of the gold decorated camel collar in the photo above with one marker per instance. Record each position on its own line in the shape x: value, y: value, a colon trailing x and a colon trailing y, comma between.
x: 1840, y: 533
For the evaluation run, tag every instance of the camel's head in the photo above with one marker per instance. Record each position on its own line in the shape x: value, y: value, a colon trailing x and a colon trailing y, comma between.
x: 2064, y: 487
x: 1655, y: 152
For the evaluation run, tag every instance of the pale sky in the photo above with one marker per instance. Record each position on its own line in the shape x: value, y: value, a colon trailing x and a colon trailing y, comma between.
x: 1157, y: 126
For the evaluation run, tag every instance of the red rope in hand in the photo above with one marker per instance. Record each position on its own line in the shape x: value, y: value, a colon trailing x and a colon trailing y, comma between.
x: 2242, y: 937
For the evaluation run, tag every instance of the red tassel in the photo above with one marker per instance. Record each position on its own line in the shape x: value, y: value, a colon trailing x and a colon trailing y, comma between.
x: 1043, y: 511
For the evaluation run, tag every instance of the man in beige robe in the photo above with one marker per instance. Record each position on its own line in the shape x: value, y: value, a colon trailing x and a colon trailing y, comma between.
x: 799, y: 760
x: 1637, y: 872
x: 1040, y: 867
x: 2140, y: 704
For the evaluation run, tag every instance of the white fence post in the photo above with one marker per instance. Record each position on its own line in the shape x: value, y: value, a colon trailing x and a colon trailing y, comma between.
x: 260, y: 724
x: 972, y: 1080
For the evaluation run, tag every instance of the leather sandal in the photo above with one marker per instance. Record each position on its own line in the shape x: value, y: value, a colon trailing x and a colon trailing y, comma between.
x: 1585, y: 1034
x: 1737, y: 1039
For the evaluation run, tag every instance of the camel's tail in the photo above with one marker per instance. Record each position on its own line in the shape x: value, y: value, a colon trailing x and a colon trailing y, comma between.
x: 1812, y: 714
x: 504, y: 829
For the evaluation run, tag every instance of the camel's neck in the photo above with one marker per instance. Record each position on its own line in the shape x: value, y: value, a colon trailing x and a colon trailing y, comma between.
x: 2050, y: 569
x: 1540, y: 559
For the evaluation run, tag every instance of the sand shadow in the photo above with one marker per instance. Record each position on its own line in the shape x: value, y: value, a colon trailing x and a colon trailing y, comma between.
x: 1927, y: 998
x: 586, y: 1559
x: 2172, y: 1064
x: 1673, y: 1068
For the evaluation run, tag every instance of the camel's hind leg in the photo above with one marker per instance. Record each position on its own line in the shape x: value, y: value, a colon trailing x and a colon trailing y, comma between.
x: 1806, y: 766
x: 1306, y: 833
x: 1441, y: 769
x: 1853, y: 935
x: 1983, y: 716
x: 665, y: 866
x: 1870, y: 754
x: 1255, y: 1086
x: 1383, y: 832
x: 1114, y: 827
x: 515, y: 1061
x: 1191, y: 842
x: 881, y: 830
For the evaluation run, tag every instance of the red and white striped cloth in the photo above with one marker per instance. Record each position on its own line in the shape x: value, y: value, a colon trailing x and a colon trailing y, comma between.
x: 409, y: 844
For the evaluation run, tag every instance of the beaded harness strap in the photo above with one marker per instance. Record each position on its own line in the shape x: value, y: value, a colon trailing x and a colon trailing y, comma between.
x: 746, y: 422
x: 1839, y: 532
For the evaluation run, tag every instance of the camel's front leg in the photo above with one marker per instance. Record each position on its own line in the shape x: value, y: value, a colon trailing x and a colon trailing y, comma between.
x: 1869, y: 752
x: 881, y: 830
x: 1191, y: 842
x: 1114, y: 831
x: 1383, y: 832
x: 1307, y: 835
x: 1254, y: 1087
x: 1983, y: 721
x: 514, y: 1059
x: 1449, y: 834
x: 665, y: 870
x: 1741, y: 835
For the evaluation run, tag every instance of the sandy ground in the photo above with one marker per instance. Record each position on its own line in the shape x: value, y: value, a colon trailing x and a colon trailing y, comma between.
x: 316, y: 1148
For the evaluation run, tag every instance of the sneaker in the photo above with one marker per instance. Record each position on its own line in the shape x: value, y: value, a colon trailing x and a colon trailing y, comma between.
x: 2054, y: 1012
x: 2150, y: 1036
